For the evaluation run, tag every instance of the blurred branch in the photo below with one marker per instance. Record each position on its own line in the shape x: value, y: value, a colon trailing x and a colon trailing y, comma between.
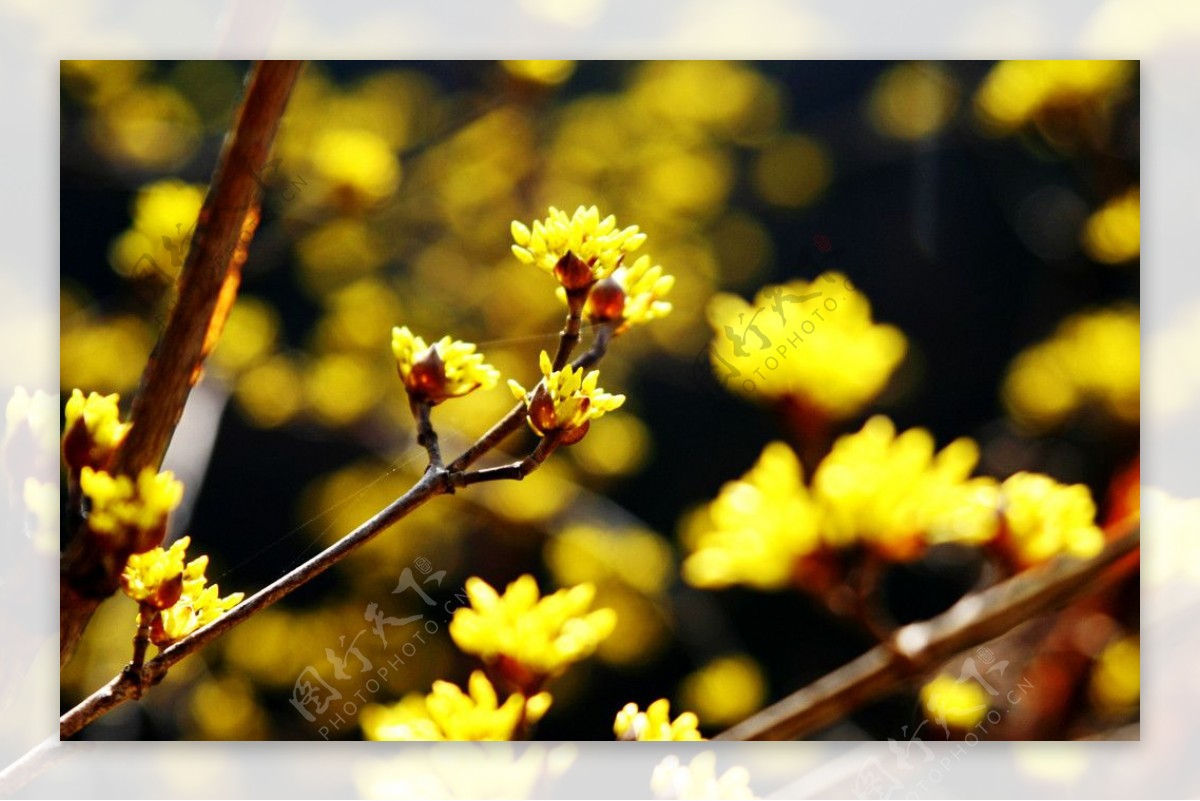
x: 87, y: 577
x: 918, y: 647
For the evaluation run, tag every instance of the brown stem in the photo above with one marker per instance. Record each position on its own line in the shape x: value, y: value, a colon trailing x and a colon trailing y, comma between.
x: 568, y: 338
x: 427, y: 437
x: 917, y: 647
x: 88, y: 576
x: 516, y: 415
x: 130, y: 684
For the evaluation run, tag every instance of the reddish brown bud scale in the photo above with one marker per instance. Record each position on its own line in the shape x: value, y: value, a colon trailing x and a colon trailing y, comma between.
x: 606, y: 302
x: 573, y: 273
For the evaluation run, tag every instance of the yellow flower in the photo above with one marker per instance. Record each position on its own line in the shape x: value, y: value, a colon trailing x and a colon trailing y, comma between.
x: 565, y: 400
x: 957, y: 704
x: 1116, y: 682
x: 530, y: 639
x: 449, y: 368
x: 891, y: 493
x: 164, y: 220
x: 93, y: 430
x: 894, y: 493
x: 198, y: 605
x: 724, y: 691
x: 812, y: 343
x: 1113, y: 234
x: 132, y: 513
x: 1015, y: 92
x: 1092, y: 361
x: 448, y: 713
x: 156, y: 576
x: 758, y: 528
x: 633, y: 294
x: 597, y: 246
x: 1043, y: 519
x: 655, y: 723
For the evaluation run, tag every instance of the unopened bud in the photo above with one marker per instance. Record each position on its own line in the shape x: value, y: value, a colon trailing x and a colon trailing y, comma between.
x: 606, y: 302
x: 573, y: 273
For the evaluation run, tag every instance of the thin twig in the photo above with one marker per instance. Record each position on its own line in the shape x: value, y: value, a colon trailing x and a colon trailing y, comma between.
x: 916, y: 648
x: 88, y: 573
x: 129, y: 684
x: 427, y: 438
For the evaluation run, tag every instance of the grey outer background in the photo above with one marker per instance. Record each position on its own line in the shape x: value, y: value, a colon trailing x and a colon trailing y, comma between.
x: 1164, y: 35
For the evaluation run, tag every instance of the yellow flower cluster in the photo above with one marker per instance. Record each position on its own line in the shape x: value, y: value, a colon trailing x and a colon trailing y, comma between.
x: 198, y: 605
x: 1092, y: 360
x: 160, y: 578
x: 156, y: 576
x: 531, y: 639
x: 448, y: 713
x: 958, y: 704
x: 1113, y: 234
x: 597, y: 243
x: 655, y: 723
x: 813, y: 342
x: 134, y: 512
x: 891, y: 493
x: 1043, y: 519
x: 449, y: 368
x: 93, y: 430
x: 1015, y: 92
x: 565, y: 400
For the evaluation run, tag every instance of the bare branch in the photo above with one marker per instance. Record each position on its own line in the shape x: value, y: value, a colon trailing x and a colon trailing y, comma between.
x: 88, y: 576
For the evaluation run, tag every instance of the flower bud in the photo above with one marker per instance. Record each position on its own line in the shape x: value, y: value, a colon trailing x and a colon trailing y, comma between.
x: 573, y: 273
x: 606, y: 302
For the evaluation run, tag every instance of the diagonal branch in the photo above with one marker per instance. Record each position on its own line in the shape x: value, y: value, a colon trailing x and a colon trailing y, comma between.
x: 916, y: 648
x: 87, y: 576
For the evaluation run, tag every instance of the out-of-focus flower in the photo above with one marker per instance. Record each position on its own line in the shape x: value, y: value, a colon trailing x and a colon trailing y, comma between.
x: 699, y: 780
x: 35, y: 414
x: 957, y: 704
x: 156, y: 576
x: 93, y: 430
x: 655, y: 723
x: 565, y: 400
x: 1092, y: 361
x: 164, y: 220
x: 271, y: 392
x: 248, y: 335
x: 793, y: 170
x: 912, y: 101
x: 725, y: 691
x: 632, y: 295
x: 1117, y: 676
x: 449, y: 368
x: 893, y: 493
x: 829, y: 357
x: 107, y: 354
x: 527, y: 638
x: 128, y: 512
x: 549, y: 72
x: 198, y: 605
x: 1042, y: 519
x: 448, y: 713
x: 354, y: 168
x: 577, y: 250
x: 42, y: 507
x: 637, y: 557
x: 1016, y: 92
x: 759, y: 527
x: 1113, y: 234
x: 148, y: 126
